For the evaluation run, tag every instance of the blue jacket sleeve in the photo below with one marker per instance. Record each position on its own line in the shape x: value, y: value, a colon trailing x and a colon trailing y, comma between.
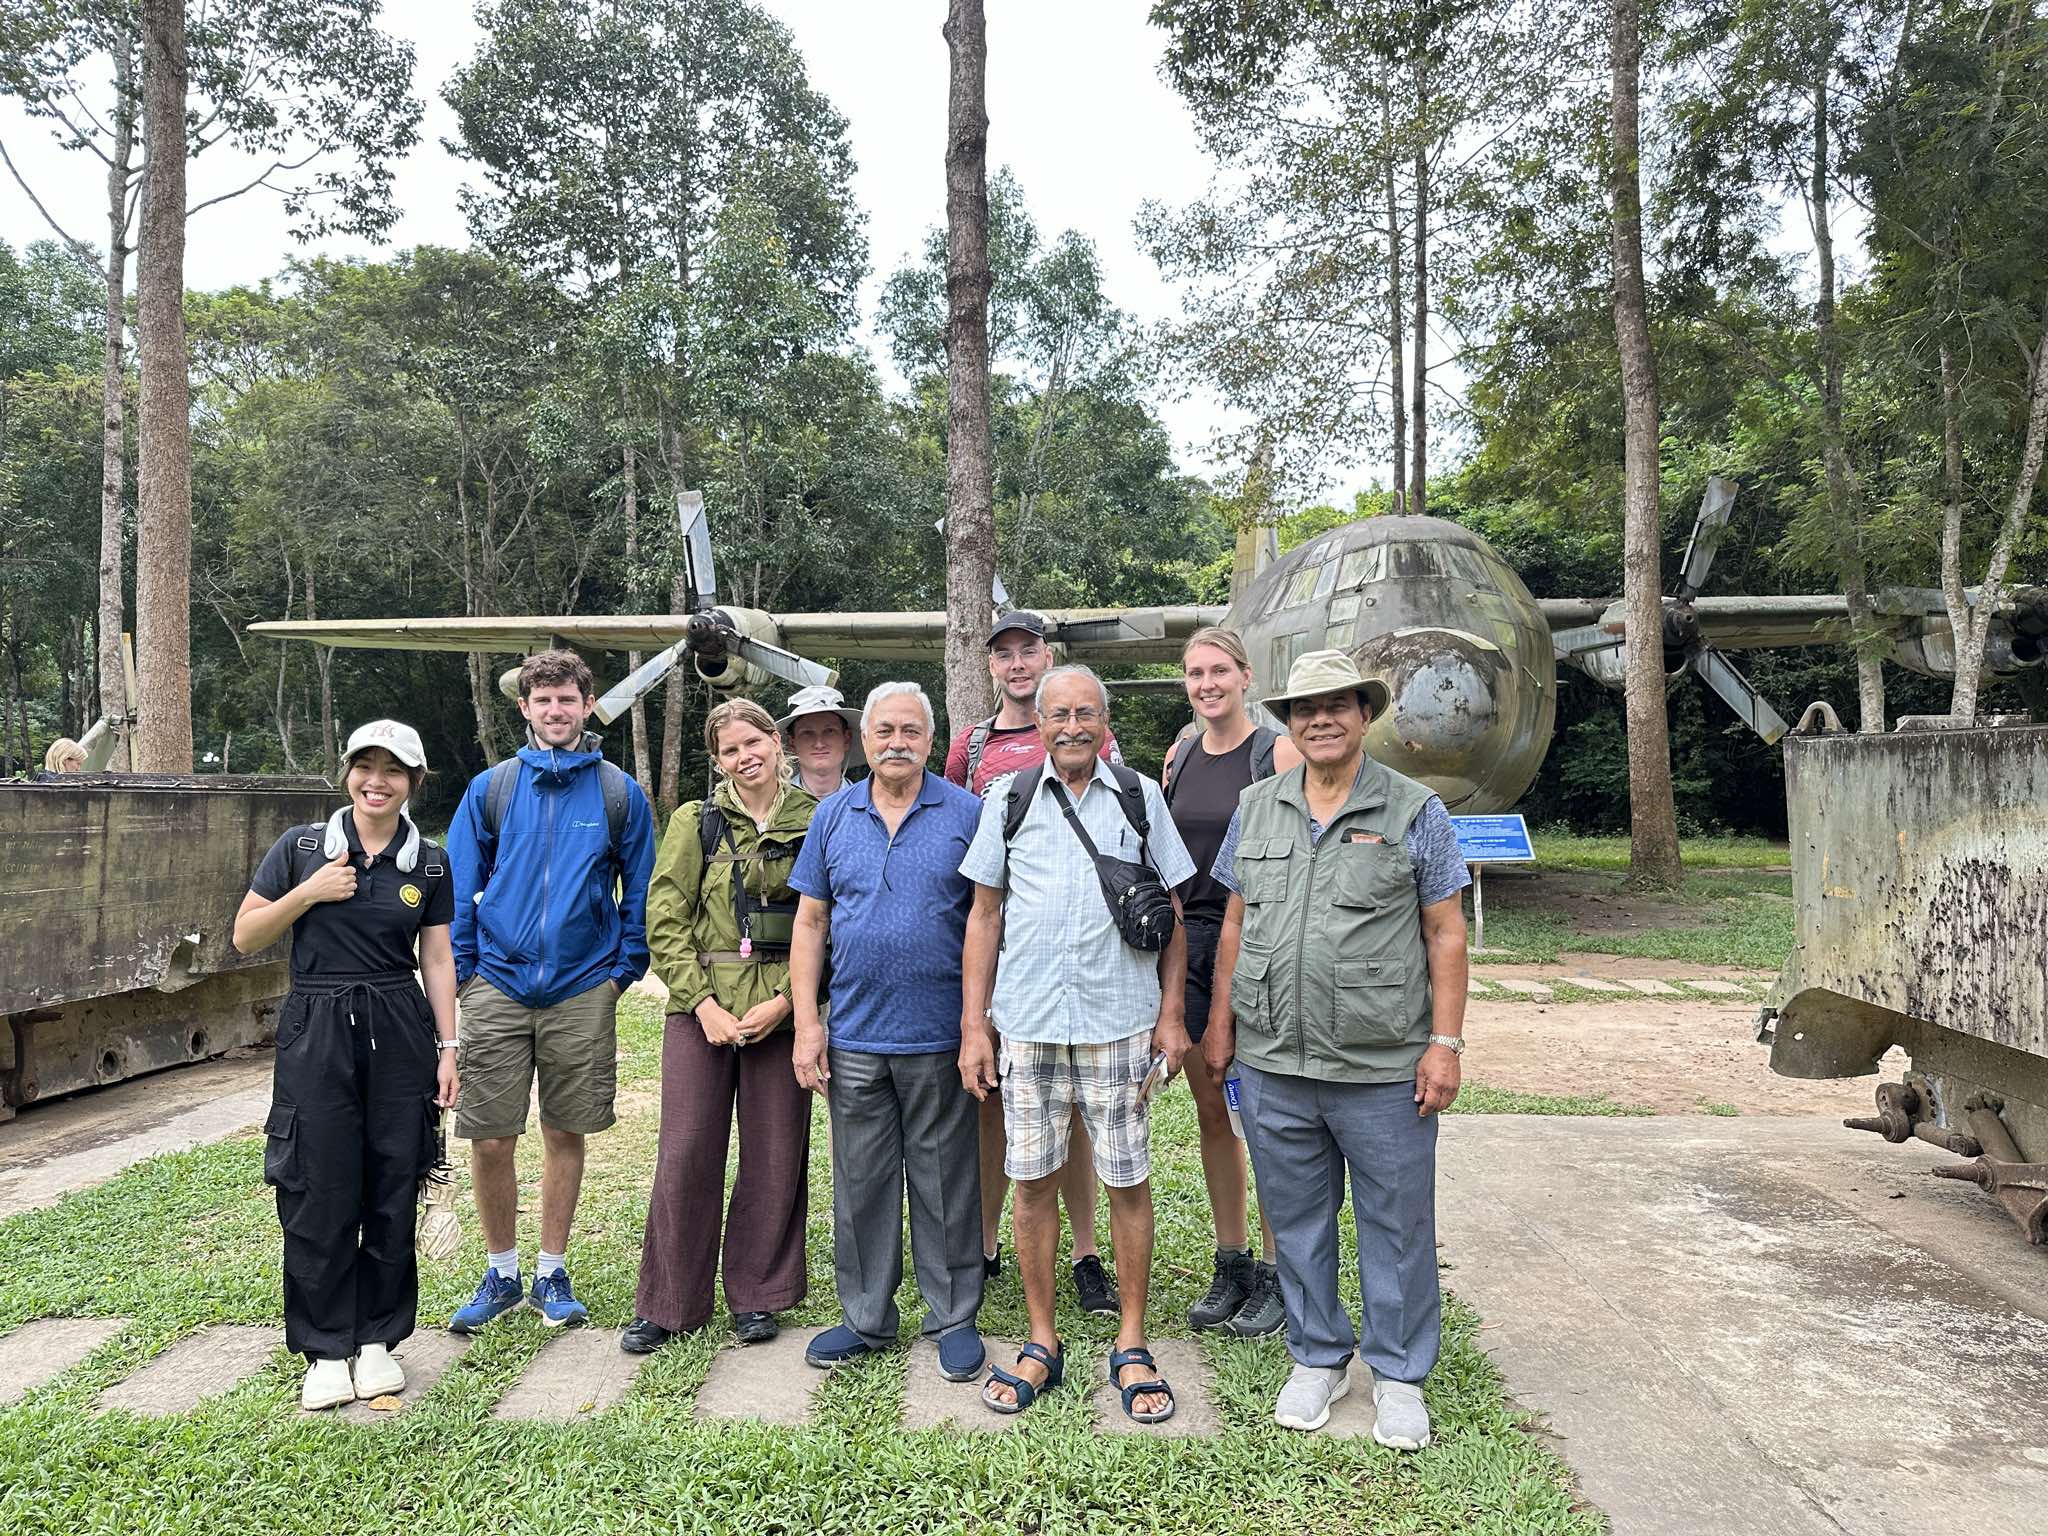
x: 636, y: 860
x: 470, y: 858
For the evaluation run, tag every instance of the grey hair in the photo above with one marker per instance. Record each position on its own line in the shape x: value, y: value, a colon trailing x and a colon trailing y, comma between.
x: 1071, y: 669
x: 883, y: 691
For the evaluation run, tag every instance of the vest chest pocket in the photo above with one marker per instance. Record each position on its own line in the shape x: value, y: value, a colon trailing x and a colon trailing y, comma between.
x: 1262, y: 869
x: 1250, y: 1002
x: 1372, y: 1002
x: 1371, y: 874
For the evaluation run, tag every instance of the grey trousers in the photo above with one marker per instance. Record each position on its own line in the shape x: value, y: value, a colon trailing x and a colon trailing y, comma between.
x: 902, y: 1121
x: 1302, y: 1133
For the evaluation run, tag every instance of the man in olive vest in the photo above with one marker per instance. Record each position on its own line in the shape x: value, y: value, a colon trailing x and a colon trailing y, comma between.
x: 1340, y: 990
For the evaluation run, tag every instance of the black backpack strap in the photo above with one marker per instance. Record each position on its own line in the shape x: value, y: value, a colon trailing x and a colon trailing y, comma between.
x: 711, y: 828
x: 1263, y: 738
x: 1169, y: 771
x: 498, y: 794
x: 611, y: 778
x: 1017, y: 800
x: 977, y: 743
x: 1130, y: 794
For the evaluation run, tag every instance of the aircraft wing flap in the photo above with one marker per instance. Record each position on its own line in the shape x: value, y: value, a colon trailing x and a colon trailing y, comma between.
x: 510, y: 635
x: 1767, y: 623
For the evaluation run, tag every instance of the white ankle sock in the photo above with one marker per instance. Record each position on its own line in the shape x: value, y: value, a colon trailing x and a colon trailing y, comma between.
x: 506, y: 1264
x: 547, y: 1263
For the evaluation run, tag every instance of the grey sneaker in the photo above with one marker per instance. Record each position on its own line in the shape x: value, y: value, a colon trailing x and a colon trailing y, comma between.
x: 1304, y: 1403
x: 1227, y: 1292
x: 1400, y: 1419
x: 1264, y: 1310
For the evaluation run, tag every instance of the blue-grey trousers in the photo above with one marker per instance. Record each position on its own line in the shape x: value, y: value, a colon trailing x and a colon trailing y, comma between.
x: 904, y: 1122
x: 1302, y: 1133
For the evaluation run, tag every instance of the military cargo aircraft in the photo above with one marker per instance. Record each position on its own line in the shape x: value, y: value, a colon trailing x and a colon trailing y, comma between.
x: 1469, y: 657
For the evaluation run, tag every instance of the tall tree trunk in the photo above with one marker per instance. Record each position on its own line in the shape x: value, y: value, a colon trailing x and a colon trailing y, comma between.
x: 643, y: 763
x: 675, y: 703
x: 163, y: 544
x: 323, y: 666
x: 113, y: 604
x: 970, y: 455
x: 1975, y: 622
x: 1395, y: 324
x: 1418, y: 458
x: 483, y: 703
x: 1653, y: 817
x: 1842, y: 512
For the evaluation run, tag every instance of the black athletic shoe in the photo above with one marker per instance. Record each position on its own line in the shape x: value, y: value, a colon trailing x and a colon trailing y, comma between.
x: 644, y: 1338
x: 1094, y: 1289
x: 992, y: 1263
x: 755, y: 1327
x: 1263, y: 1311
x: 1227, y: 1293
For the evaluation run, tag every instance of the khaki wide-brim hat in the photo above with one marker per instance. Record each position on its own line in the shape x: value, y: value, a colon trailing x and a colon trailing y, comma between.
x: 1316, y: 673
x: 825, y: 700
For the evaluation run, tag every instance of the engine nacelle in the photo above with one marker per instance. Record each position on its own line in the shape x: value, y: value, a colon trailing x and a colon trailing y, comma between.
x: 721, y: 668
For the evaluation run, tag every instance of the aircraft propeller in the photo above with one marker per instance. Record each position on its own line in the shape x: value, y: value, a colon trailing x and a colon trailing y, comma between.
x: 715, y: 635
x: 1599, y: 650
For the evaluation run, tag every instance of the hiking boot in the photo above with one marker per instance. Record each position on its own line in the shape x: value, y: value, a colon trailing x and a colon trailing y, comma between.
x: 1227, y: 1292
x: 495, y: 1293
x: 1264, y: 1310
x: 755, y: 1327
x: 377, y: 1374
x: 1304, y: 1403
x: 644, y: 1337
x: 555, y: 1301
x: 1094, y: 1288
x: 327, y: 1385
x: 1400, y: 1419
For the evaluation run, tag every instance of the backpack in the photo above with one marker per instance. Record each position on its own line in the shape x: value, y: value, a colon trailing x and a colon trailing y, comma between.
x: 713, y: 832
x: 1263, y: 738
x: 611, y: 779
x: 1130, y: 794
x: 977, y: 743
x: 1139, y: 902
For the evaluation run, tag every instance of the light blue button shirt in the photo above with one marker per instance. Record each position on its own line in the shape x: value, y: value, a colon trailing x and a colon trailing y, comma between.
x: 1065, y: 975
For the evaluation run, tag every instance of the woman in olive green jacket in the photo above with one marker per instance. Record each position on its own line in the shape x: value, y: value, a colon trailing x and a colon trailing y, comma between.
x: 719, y: 920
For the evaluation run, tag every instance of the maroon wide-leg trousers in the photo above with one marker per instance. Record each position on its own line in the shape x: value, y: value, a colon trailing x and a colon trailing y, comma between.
x: 701, y: 1084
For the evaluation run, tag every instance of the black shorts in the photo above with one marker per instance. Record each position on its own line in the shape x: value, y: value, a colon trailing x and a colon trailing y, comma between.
x: 1202, y: 938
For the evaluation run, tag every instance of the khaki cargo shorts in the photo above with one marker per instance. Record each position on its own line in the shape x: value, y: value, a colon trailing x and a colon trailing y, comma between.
x: 1043, y: 1084
x: 574, y: 1046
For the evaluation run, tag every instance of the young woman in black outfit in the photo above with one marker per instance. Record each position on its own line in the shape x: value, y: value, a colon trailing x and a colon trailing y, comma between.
x: 1205, y: 772
x: 365, y: 1060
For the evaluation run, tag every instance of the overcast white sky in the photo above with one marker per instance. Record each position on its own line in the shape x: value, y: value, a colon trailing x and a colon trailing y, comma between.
x: 1076, y: 108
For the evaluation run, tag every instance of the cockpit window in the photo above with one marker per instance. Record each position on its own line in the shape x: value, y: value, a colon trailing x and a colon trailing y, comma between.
x: 1409, y: 560
x: 1363, y: 565
x: 1468, y: 565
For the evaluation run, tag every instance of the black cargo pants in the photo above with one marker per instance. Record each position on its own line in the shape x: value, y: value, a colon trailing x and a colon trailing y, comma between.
x: 351, y: 1130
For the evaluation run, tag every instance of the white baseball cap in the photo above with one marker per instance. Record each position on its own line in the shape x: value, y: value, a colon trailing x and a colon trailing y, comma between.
x: 394, y: 736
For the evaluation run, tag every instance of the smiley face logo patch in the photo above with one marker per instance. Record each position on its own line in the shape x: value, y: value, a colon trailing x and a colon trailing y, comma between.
x: 409, y: 894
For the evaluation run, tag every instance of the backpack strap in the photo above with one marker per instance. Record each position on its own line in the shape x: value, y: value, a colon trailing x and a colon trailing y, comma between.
x: 1263, y: 738
x: 977, y: 743
x: 1169, y: 771
x: 1130, y: 794
x: 498, y: 794
x: 611, y: 778
x: 1017, y: 800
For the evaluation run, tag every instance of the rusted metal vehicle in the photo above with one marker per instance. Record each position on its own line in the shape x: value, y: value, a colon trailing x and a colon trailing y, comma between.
x: 1920, y: 877
x: 117, y: 901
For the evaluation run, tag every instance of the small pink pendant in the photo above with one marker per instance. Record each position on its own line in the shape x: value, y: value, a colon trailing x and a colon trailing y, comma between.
x: 746, y: 947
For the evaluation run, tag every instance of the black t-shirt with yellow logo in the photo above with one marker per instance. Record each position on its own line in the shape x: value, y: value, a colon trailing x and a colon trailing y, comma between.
x: 376, y: 930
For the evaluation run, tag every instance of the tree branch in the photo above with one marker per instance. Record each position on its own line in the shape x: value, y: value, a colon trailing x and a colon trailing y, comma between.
x: 78, y: 247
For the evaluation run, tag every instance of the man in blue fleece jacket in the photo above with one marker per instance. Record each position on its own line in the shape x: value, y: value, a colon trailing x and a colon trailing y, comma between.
x: 551, y: 852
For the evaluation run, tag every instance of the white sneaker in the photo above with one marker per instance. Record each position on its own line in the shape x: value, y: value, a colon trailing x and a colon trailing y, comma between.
x: 1304, y: 1403
x: 377, y: 1374
x: 1400, y: 1418
x: 327, y: 1385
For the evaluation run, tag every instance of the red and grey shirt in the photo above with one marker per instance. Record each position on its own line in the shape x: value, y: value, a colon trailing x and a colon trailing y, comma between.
x: 1009, y: 749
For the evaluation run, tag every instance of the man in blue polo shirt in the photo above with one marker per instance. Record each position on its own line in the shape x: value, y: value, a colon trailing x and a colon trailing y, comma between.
x: 880, y: 874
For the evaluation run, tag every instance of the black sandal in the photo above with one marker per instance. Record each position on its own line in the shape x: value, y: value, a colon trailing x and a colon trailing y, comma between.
x: 1118, y: 1359
x: 1055, y: 1371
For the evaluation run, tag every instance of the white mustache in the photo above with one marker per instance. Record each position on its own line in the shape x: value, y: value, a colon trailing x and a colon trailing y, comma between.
x: 896, y: 755
x: 1066, y: 740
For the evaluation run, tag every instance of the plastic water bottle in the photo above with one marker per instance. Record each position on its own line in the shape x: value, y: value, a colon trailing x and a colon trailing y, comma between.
x: 1230, y: 1102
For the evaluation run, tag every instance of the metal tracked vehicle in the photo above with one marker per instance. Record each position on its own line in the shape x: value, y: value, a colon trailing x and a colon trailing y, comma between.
x: 117, y: 901
x: 1920, y: 877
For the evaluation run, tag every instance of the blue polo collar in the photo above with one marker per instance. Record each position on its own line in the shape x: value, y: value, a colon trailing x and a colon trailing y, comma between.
x: 930, y: 791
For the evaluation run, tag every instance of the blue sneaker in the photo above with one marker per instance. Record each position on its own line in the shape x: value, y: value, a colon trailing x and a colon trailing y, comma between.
x: 555, y: 1302
x: 836, y: 1346
x: 495, y: 1293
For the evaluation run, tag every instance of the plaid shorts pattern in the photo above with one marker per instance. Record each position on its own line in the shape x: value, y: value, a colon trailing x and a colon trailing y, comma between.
x: 1045, y: 1082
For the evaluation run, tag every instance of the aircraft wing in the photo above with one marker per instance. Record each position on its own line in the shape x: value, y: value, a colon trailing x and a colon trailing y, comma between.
x: 1728, y: 623
x: 1088, y: 634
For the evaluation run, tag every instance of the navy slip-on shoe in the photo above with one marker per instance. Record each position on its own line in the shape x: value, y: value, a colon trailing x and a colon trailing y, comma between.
x: 961, y: 1355
x: 836, y: 1346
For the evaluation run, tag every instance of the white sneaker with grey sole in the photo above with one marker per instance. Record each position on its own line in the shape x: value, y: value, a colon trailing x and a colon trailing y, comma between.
x: 377, y: 1374
x: 1304, y: 1403
x: 327, y: 1385
x: 1400, y: 1419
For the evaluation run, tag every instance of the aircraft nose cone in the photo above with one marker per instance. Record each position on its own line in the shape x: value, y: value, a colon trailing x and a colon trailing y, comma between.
x: 1443, y: 700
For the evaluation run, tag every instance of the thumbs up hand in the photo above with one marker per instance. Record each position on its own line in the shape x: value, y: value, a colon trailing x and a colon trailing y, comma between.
x: 334, y: 881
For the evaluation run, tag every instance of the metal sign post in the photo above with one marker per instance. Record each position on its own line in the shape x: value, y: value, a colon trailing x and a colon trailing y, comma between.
x: 1484, y: 840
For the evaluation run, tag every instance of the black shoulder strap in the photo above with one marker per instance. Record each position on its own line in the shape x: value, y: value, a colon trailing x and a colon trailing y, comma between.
x: 612, y: 780
x: 1130, y: 794
x: 498, y: 794
x: 711, y: 828
x: 1263, y: 739
x: 1017, y: 800
x: 977, y: 743
x: 1169, y: 770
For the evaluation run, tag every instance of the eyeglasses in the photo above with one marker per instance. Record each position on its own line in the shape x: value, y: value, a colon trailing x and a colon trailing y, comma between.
x: 1076, y: 716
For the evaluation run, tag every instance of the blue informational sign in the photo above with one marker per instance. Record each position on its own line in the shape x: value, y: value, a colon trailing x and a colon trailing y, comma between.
x: 1493, y: 839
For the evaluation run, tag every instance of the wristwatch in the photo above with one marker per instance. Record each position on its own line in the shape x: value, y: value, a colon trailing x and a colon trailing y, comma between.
x: 447, y: 1045
x: 1455, y: 1044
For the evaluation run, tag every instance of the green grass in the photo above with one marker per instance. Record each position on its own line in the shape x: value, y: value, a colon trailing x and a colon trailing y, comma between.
x: 1564, y: 849
x: 1478, y: 1099
x: 1746, y: 919
x: 191, y: 1239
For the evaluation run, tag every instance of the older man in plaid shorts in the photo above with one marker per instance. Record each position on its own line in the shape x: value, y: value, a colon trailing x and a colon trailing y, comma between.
x: 1071, y: 1017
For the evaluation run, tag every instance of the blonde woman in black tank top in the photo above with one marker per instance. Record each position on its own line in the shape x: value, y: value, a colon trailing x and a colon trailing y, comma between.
x: 1205, y: 772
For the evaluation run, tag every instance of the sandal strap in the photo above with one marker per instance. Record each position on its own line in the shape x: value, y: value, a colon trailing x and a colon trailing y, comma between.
x: 1031, y: 1349
x: 1137, y: 1388
x: 1119, y: 1358
x: 1027, y: 1394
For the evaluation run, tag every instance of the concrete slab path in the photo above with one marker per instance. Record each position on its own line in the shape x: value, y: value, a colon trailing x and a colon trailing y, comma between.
x: 1649, y: 986
x: 1521, y: 988
x: 932, y: 1402
x: 578, y: 1373
x: 768, y: 1382
x: 1756, y: 1324
x: 38, y: 1352
x: 1181, y: 1364
x: 200, y: 1366
x: 425, y: 1359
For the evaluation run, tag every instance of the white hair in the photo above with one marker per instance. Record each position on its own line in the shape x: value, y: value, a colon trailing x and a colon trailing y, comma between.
x: 1071, y: 669
x: 883, y: 691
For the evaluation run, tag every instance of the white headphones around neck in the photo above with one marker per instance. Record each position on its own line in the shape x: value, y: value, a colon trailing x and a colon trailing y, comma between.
x: 408, y: 851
